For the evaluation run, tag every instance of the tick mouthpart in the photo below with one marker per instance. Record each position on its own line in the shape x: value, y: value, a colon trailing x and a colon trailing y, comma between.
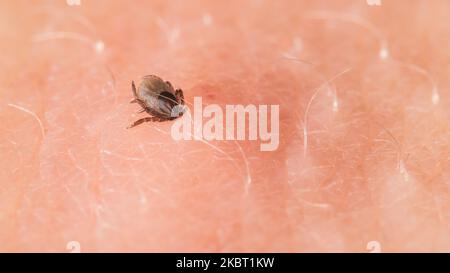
x: 177, y: 111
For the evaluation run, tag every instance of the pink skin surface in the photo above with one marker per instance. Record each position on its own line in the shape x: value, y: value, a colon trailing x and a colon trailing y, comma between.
x: 363, y: 159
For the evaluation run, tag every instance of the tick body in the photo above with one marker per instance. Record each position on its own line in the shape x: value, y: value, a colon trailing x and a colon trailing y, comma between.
x: 158, y: 98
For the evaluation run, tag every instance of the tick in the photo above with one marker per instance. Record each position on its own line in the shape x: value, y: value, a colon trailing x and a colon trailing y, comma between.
x: 158, y: 98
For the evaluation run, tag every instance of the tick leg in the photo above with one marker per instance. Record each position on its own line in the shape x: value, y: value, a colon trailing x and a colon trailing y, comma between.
x: 179, y: 94
x: 140, y: 111
x: 133, y: 87
x: 146, y: 119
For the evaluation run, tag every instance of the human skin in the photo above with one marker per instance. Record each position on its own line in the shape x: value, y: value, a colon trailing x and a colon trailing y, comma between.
x: 364, y: 151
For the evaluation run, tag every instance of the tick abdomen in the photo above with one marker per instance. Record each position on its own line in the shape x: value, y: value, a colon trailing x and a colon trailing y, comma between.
x: 154, y: 85
x: 150, y: 91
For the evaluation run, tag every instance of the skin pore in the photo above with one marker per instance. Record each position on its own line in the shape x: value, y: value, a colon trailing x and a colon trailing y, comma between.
x: 363, y: 157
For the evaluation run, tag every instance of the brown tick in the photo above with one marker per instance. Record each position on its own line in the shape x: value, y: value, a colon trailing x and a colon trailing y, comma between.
x: 158, y: 98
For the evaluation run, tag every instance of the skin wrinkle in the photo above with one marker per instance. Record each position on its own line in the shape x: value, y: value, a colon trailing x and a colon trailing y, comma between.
x: 377, y: 158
